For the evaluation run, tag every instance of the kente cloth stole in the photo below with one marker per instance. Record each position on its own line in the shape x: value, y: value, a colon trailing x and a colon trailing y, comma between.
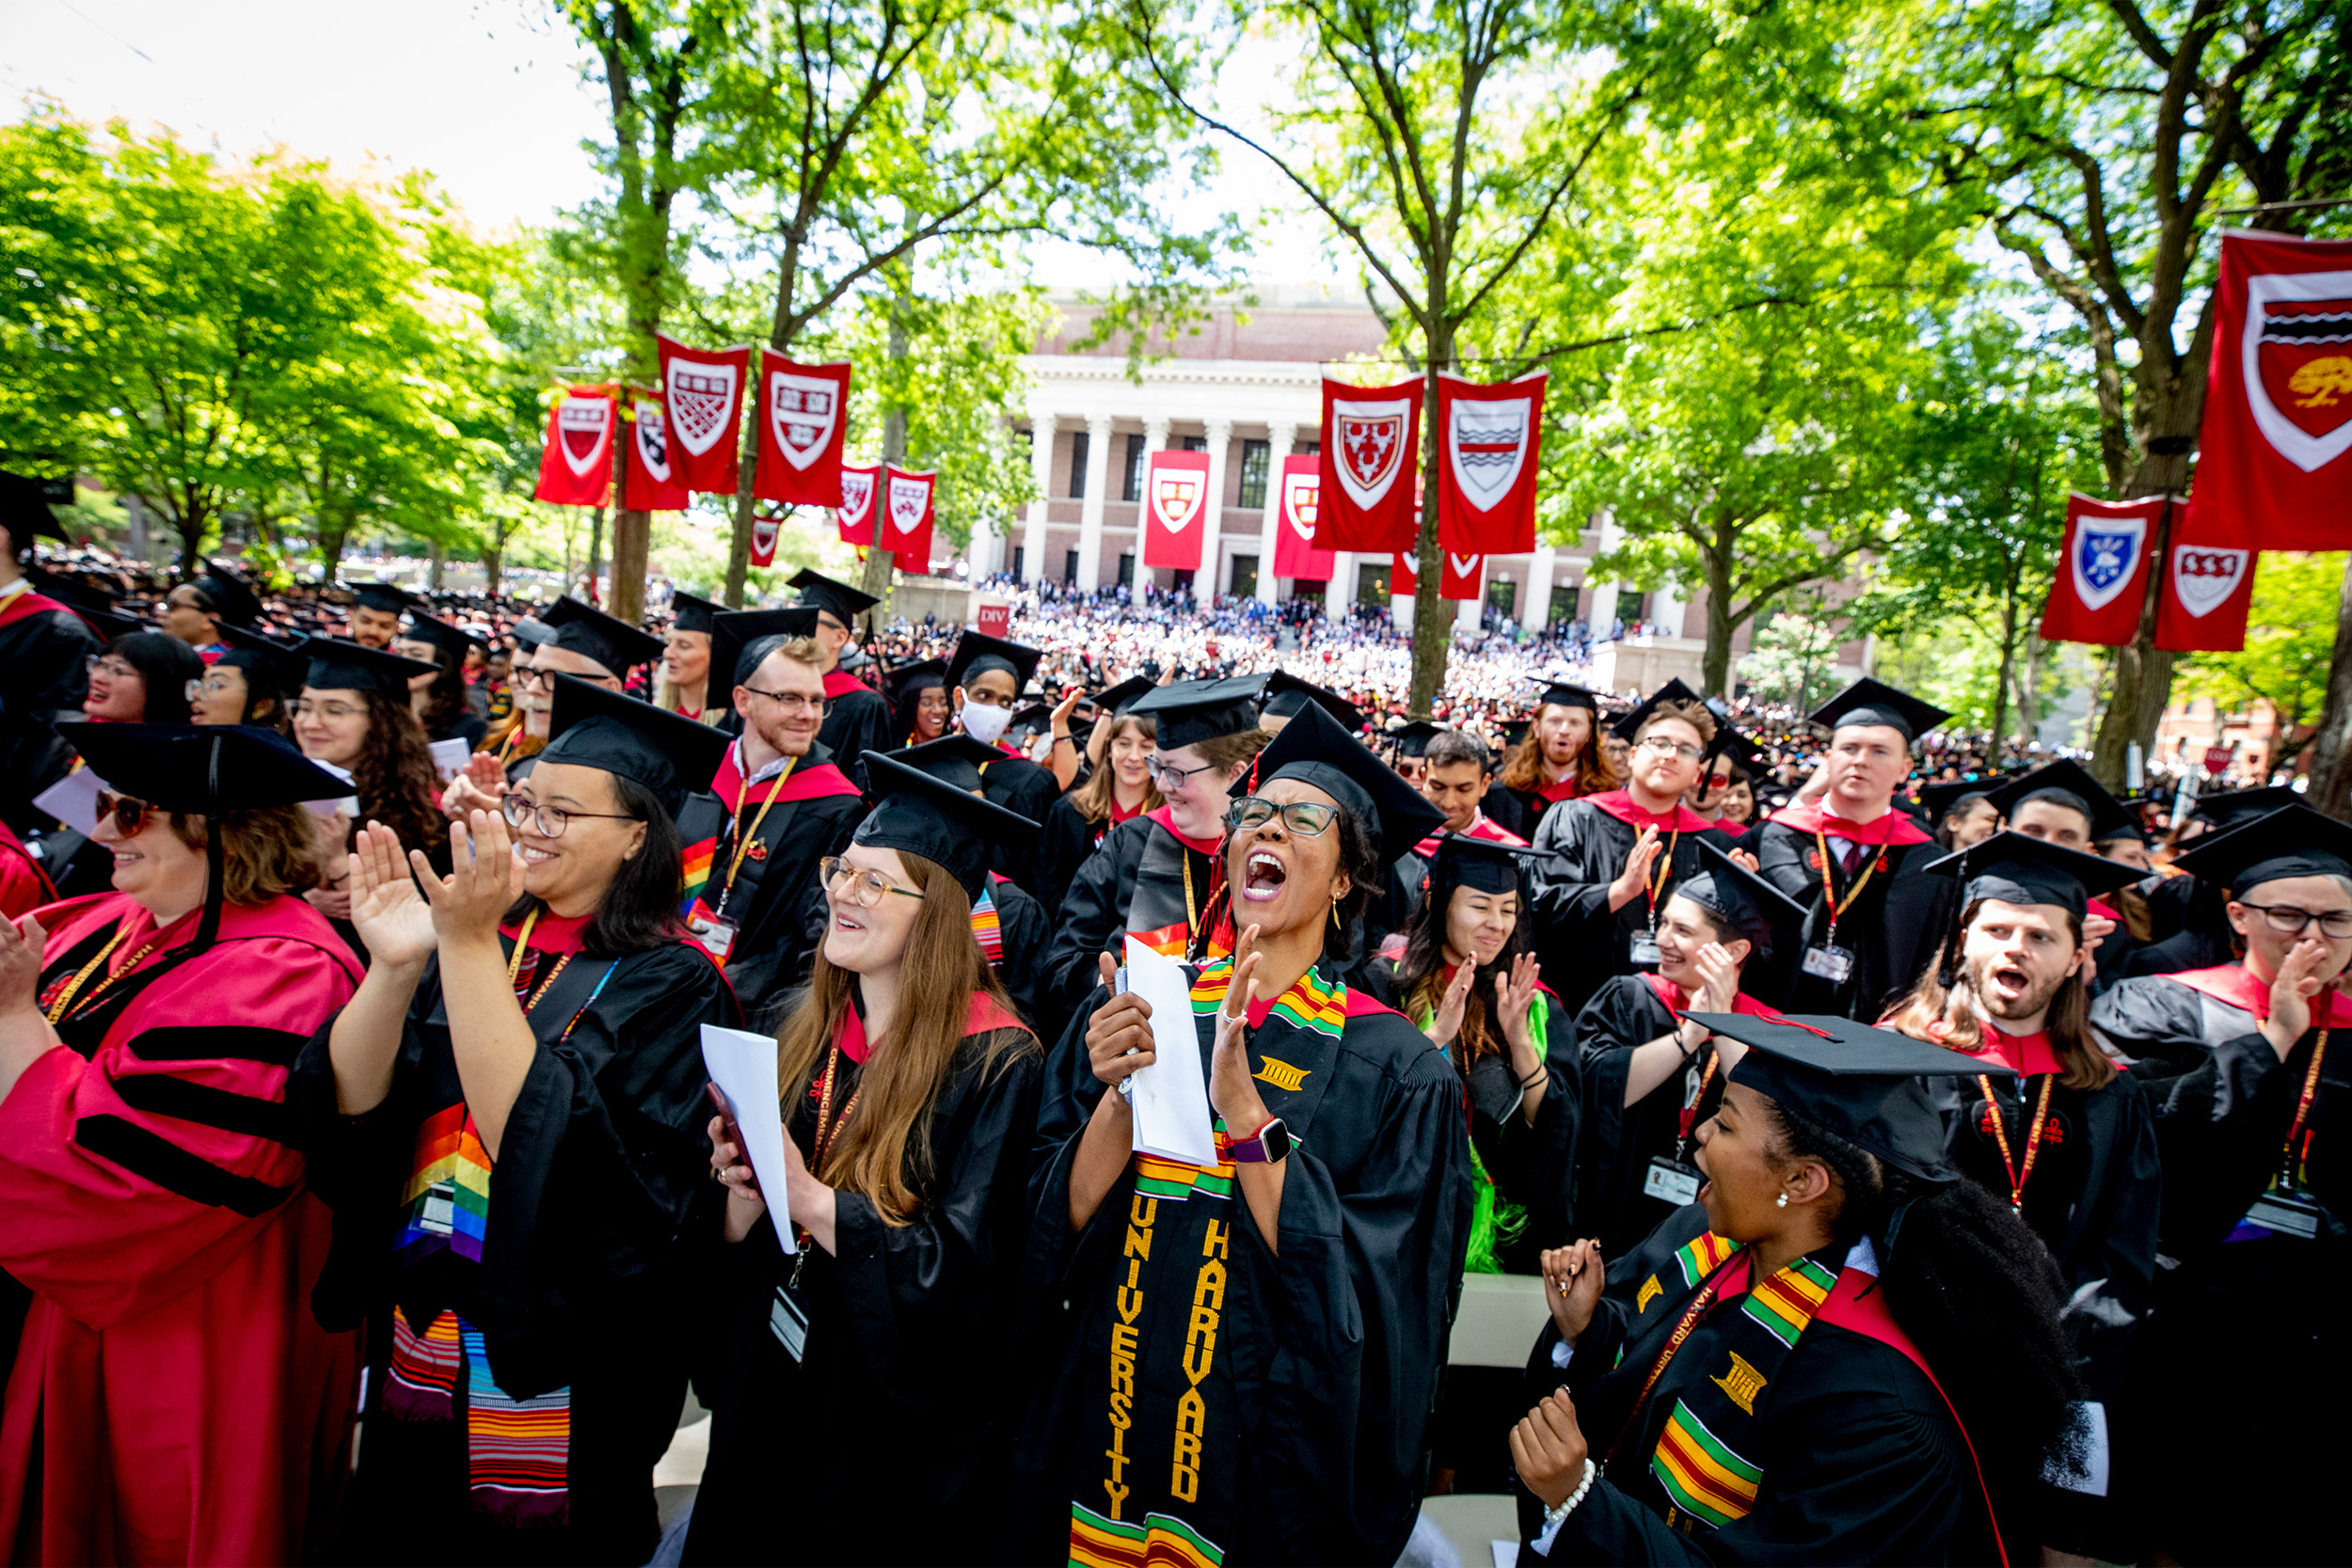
x: 1700, y: 1461
x: 986, y: 929
x: 1161, y: 1541
x: 517, y: 1451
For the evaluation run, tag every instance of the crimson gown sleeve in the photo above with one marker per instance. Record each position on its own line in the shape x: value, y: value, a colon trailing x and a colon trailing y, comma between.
x: 135, y: 1174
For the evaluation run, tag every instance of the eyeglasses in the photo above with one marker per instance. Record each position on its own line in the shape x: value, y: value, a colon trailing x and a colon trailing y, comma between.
x: 101, y: 664
x: 130, y: 816
x: 210, y: 686
x: 2288, y: 921
x: 551, y: 821
x: 1308, y: 818
x: 1664, y: 747
x: 1168, y: 776
x: 792, y: 701
x: 526, y: 675
x: 334, y: 713
x: 863, y: 889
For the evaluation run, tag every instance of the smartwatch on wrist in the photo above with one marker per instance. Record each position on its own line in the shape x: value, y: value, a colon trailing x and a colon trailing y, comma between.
x: 1264, y: 1147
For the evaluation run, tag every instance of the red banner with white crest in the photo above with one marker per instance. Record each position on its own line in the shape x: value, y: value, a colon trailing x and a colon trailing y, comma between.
x: 855, y: 518
x: 2102, y: 570
x: 765, y: 529
x: 2208, y: 588
x: 2274, y: 467
x: 903, y: 521
x: 650, y: 481
x: 1489, y: 440
x: 1371, y: 443
x: 703, y: 391
x: 803, y: 413
x: 1175, y: 507
x: 1403, y: 582
x: 1463, y: 576
x: 1301, y: 502
x: 577, y: 468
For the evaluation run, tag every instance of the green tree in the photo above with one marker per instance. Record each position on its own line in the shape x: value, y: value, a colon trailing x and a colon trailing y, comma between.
x: 2290, y: 641
x: 1793, y: 656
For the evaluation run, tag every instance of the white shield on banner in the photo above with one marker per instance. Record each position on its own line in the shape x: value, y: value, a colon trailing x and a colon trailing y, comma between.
x: 1371, y: 437
x: 700, y: 399
x: 1463, y: 564
x: 857, y: 497
x: 653, y: 440
x: 908, y: 499
x: 2205, y: 577
x: 802, y: 412
x: 1488, y: 447
x: 1302, y: 497
x: 582, y: 425
x: 2321, y: 383
x: 2106, y: 552
x: 1174, y: 492
x: 764, y: 536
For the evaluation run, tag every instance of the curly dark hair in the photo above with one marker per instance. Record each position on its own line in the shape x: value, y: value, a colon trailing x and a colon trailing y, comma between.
x: 1420, y: 974
x: 1978, y: 1294
x: 395, y: 778
x: 639, y: 910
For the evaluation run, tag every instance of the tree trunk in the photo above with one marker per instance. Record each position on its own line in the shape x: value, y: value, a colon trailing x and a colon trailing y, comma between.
x: 435, y: 558
x: 632, y: 561
x: 334, y: 538
x: 1715, y: 664
x: 2331, y: 746
x: 2029, y: 691
x: 2143, y: 671
x: 1432, y: 637
x: 2009, y: 667
x: 879, y: 562
x: 595, y: 557
x: 493, y: 558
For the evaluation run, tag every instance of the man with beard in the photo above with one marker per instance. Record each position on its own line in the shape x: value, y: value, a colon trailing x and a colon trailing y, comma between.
x: 374, y: 618
x: 1559, y: 759
x: 2069, y: 1142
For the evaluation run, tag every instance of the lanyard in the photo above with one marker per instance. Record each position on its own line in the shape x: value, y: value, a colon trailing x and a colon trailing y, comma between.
x: 1829, y: 890
x: 64, y: 1004
x: 1653, y: 888
x: 2303, y: 1100
x: 2020, y: 1174
x: 1691, y: 1316
x: 827, y: 1125
x: 744, y: 836
x: 1690, y: 1113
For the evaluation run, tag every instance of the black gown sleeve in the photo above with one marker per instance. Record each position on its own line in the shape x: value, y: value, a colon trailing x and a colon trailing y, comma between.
x: 1021, y: 924
x: 1535, y: 1167
x: 1062, y: 846
x: 1093, y: 914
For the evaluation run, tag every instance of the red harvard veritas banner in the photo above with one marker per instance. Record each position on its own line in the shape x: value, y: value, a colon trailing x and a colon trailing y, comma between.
x: 856, y: 517
x: 1295, y: 552
x: 905, y: 524
x: 576, y: 469
x: 650, y: 481
x: 1175, y: 502
x: 2208, y: 588
x: 803, y: 413
x: 702, y: 390
x: 1371, y: 439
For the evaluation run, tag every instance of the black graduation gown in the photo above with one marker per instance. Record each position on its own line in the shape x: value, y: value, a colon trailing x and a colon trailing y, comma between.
x: 1519, y: 810
x: 857, y: 720
x: 1025, y: 790
x: 1861, y: 1461
x: 908, y: 1348
x: 1620, y: 1140
x: 46, y: 654
x: 1022, y: 936
x: 1063, y: 845
x: 1317, y: 1369
x: 1892, y: 928
x: 2270, y: 1304
x: 1095, y: 909
x: 468, y: 726
x: 602, y: 1175
x: 1580, y: 940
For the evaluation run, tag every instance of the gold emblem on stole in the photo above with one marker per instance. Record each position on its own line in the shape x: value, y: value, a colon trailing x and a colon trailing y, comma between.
x: 1650, y: 1291
x: 1742, y: 1383
x: 1281, y: 1074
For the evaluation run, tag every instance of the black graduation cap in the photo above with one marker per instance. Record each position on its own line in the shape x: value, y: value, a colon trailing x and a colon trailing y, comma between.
x: 86, y: 602
x: 1313, y: 749
x: 1744, y: 753
x: 956, y: 758
x: 24, y: 504
x: 1285, y: 694
x: 1939, y: 801
x: 531, y: 632
x: 839, y: 600
x: 1032, y: 720
x: 689, y: 613
x: 2233, y: 807
x: 1480, y: 863
x: 1752, y: 906
x: 1412, y: 740
x: 1189, y: 712
x: 2292, y: 841
x: 1861, y: 1084
x: 232, y: 600
x: 739, y: 638
x: 977, y: 654
x: 1559, y: 693
x: 1514, y: 730
x: 1118, y: 699
x: 2020, y: 870
x: 388, y: 598
x: 340, y: 666
x: 283, y: 662
x: 942, y: 822
x: 1869, y: 701
x: 909, y: 678
x: 593, y: 634
x: 594, y: 726
x: 2109, y: 817
x: 426, y: 628
x: 1673, y: 691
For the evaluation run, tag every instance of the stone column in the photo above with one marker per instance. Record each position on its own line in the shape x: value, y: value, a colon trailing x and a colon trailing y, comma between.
x: 1466, y: 613
x: 1340, y: 592
x: 1204, y: 582
x: 1091, y: 513
x: 1278, y: 440
x: 1535, y: 599
x: 1041, y: 475
x: 1665, y: 607
x: 1154, y: 440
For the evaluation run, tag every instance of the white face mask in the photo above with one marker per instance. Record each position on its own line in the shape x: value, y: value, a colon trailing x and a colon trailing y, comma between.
x: 1041, y: 747
x: 985, y: 723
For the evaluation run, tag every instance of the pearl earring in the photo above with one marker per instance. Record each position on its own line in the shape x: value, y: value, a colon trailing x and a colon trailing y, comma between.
x: 1781, y: 1202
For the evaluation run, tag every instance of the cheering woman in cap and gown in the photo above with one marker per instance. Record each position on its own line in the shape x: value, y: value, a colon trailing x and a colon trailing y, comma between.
x: 909, y: 1095
x: 1840, y: 1353
x: 171, y: 1398
x: 508, y: 1120
x: 1237, y: 1361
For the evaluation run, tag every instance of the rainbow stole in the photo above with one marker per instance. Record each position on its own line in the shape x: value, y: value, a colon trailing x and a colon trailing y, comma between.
x: 448, y: 1194
x: 697, y: 864
x: 986, y: 928
x: 517, y: 1450
x: 1698, y: 1462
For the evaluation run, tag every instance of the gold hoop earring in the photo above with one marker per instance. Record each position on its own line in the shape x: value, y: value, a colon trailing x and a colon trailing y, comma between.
x: 1335, y: 914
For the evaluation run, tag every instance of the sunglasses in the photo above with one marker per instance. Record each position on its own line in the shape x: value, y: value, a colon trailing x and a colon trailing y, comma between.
x: 130, y: 816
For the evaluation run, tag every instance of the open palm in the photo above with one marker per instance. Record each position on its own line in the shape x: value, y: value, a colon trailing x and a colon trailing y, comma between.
x: 392, y: 917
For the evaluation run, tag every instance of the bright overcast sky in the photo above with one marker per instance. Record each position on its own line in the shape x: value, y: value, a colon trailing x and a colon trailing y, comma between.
x: 485, y: 94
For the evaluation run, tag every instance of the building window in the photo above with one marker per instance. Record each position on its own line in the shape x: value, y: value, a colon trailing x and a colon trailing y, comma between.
x: 1078, y: 466
x: 1070, y: 568
x: 1563, y: 597
x: 1127, y: 570
x: 1192, y: 443
x: 1502, y: 595
x: 1019, y: 555
x: 1308, y: 449
x: 1245, y: 578
x: 1131, y: 489
x: 1372, y: 586
x: 1255, y: 458
x: 1629, y: 605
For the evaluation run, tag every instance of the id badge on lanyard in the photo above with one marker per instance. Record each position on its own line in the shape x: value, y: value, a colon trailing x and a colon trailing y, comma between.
x: 1829, y: 962
x: 713, y: 930
x: 1644, y: 952
x: 787, y: 1320
x: 1672, y: 1182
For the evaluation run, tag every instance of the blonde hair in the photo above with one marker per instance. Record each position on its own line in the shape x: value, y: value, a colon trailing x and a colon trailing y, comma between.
x: 1095, y: 798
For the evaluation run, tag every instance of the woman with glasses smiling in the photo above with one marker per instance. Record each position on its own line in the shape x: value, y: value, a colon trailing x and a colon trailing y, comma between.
x: 141, y: 678
x: 508, y: 1122
x: 354, y: 717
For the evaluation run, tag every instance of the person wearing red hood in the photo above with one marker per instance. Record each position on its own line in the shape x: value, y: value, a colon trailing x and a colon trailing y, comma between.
x: 1610, y: 862
x: 1844, y: 850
